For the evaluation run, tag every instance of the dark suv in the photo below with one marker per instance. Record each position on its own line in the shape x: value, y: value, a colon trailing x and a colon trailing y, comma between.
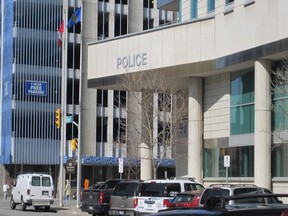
x: 234, y: 190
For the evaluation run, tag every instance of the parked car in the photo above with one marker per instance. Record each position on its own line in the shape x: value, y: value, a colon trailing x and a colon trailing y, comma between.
x: 97, y: 201
x: 157, y: 194
x: 186, y: 199
x: 35, y: 190
x: 124, y: 198
x: 236, y: 189
x: 217, y: 206
x: 93, y: 186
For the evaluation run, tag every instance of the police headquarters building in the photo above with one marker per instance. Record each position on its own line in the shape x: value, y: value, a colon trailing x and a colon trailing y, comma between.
x: 224, y: 53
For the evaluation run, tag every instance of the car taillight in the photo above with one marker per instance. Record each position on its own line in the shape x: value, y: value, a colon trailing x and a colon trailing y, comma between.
x: 110, y: 202
x: 135, y: 202
x: 284, y: 212
x: 28, y: 191
x: 101, y: 197
x: 165, y: 202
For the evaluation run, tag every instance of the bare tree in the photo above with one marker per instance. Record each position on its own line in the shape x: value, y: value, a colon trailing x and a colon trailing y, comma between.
x: 156, y: 112
x: 279, y: 83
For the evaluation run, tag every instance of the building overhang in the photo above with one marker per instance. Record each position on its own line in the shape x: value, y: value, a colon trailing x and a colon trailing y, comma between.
x: 114, y: 161
x: 191, y: 49
x: 169, y: 5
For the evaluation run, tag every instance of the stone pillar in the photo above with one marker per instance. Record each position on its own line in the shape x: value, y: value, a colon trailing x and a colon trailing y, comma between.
x: 262, y: 145
x: 135, y: 16
x: 109, y: 112
x: 195, y: 130
x: 111, y: 11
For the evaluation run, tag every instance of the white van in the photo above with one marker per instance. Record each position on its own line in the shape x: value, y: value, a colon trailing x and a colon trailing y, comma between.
x: 35, y: 190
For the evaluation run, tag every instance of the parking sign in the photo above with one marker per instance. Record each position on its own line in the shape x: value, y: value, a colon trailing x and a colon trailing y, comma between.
x: 226, y: 160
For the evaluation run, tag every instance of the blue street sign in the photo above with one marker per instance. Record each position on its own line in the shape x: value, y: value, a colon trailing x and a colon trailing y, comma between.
x: 36, y: 88
x: 69, y: 119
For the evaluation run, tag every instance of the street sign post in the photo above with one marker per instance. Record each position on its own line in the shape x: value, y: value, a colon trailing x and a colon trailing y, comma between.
x: 70, y: 165
x: 120, y: 167
x: 227, y: 165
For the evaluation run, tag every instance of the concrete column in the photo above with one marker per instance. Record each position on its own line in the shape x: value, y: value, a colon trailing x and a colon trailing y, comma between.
x: 262, y: 145
x: 135, y: 16
x: 111, y: 11
x: 110, y: 114
x: 195, y: 131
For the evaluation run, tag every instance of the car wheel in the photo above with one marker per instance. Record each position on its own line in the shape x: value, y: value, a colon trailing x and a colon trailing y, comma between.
x: 23, y: 205
x: 47, y: 208
x: 36, y: 208
x: 12, y: 203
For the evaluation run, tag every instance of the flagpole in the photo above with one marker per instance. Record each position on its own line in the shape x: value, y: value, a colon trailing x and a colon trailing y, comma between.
x: 79, y: 119
x: 63, y: 109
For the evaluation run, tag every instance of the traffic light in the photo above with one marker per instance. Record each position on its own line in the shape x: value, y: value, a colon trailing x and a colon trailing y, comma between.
x: 74, y: 144
x: 58, y: 118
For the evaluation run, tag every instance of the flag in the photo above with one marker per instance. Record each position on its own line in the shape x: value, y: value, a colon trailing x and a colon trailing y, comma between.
x: 60, y: 33
x: 75, y: 18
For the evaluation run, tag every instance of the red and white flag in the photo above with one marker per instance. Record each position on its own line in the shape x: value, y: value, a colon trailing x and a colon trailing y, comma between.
x: 60, y: 33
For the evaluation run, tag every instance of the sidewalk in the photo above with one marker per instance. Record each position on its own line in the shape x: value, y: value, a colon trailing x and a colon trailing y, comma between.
x: 67, y: 210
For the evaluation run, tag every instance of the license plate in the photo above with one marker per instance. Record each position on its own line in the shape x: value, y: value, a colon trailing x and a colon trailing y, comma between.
x: 121, y: 212
x: 90, y: 207
x: 149, y: 206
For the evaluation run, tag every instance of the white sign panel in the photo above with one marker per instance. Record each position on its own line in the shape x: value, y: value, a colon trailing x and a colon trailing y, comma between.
x: 226, y: 160
x: 120, y: 165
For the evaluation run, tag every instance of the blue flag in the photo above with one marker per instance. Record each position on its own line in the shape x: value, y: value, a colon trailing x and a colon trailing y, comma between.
x: 75, y: 18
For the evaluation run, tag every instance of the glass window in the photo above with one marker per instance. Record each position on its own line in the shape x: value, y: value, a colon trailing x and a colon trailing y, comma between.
x: 279, y: 160
x: 46, y: 182
x: 242, y: 119
x: 119, y: 130
x: 229, y: 1
x: 102, y: 123
x: 173, y: 189
x: 280, y: 117
x: 35, y: 181
x: 193, y: 186
x: 194, y: 9
x: 242, y: 102
x: 213, y: 192
x: 279, y: 96
x: 160, y: 189
x: 241, y: 162
x: 119, y: 98
x: 125, y: 189
x: 102, y: 98
x: 210, y: 5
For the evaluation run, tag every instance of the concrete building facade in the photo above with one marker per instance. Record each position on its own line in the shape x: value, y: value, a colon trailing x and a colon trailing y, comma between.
x: 38, y: 76
x: 225, y: 53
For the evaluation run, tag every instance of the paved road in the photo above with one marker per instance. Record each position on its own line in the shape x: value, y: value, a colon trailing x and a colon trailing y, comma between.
x: 5, y: 210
